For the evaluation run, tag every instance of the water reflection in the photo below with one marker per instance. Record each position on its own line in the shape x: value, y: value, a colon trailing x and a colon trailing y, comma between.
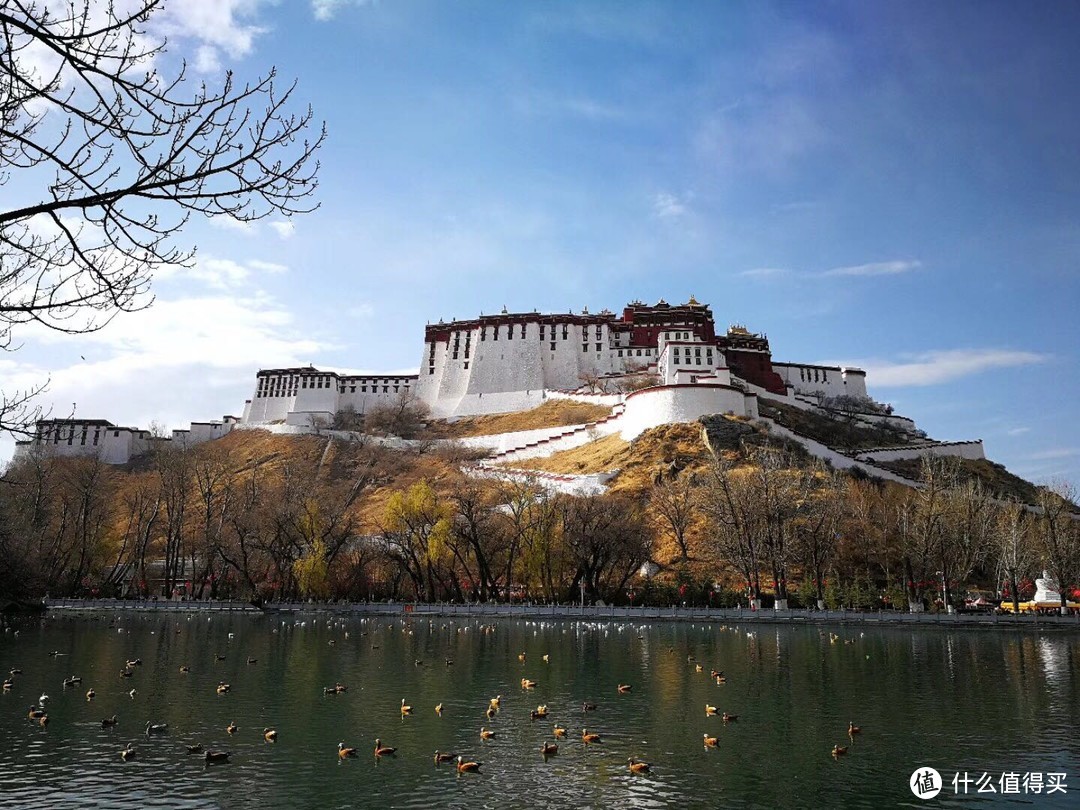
x: 947, y: 700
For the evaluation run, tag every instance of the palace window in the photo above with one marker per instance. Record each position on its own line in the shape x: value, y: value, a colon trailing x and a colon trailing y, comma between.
x: 430, y: 370
x: 495, y: 333
x: 553, y: 345
x: 466, y: 368
x: 584, y: 347
x: 542, y: 331
x: 363, y: 388
x: 598, y: 347
x: 620, y: 352
x: 386, y: 389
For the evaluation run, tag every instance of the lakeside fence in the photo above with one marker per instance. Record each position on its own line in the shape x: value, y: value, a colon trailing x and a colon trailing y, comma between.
x: 587, y: 612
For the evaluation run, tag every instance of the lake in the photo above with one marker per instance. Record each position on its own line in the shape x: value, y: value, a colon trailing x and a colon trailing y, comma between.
x: 974, y: 701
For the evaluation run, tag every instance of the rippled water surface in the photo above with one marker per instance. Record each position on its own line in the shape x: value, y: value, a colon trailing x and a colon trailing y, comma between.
x: 975, y: 701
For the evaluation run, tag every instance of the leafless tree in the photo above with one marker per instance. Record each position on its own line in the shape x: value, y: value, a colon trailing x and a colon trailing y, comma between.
x: 403, y: 417
x: 105, y: 154
x: 1015, y: 546
x: 1059, y: 535
x: 673, y: 503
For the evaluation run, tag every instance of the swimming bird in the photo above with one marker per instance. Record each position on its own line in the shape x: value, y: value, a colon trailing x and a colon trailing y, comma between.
x: 839, y: 750
x: 232, y: 727
x: 8, y: 683
x: 589, y: 738
x: 329, y: 690
x: 699, y: 668
x: 521, y: 658
x: 588, y: 707
x: 710, y: 742
x: 624, y: 688
x: 527, y: 684
x: 219, y: 657
x: 252, y: 660
x: 128, y: 753
x: 560, y: 731
x: 343, y: 751
x: 35, y: 712
x: 443, y: 756
x: 438, y: 709
x: 43, y: 720
x: 486, y: 734
x: 74, y: 679
x: 185, y: 669
x: 467, y: 767
x: 340, y: 687
x: 405, y: 709
x: 637, y: 767
x: 13, y: 672
x: 131, y: 694
x: 496, y: 702
x: 709, y: 710
x: 539, y: 713
x: 716, y: 673
x: 270, y: 734
x: 547, y: 658
x: 853, y: 729
x: 156, y: 728
x: 491, y: 711
x: 90, y: 694
x: 729, y: 718
x: 383, y: 750
x: 216, y: 756
x: 125, y: 673
x: 136, y: 663
x: 109, y: 722
x: 547, y: 749
x: 194, y: 749
x: 223, y: 687
x: 720, y: 680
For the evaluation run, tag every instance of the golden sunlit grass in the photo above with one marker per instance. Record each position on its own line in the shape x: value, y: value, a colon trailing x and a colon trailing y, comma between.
x: 553, y: 413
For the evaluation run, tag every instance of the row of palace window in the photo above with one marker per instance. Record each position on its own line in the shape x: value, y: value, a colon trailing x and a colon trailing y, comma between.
x: 804, y: 375
x: 57, y: 435
x: 288, y: 389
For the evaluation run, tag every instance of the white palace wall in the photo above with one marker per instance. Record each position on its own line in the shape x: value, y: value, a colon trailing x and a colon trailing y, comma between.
x: 832, y: 381
x: 651, y: 407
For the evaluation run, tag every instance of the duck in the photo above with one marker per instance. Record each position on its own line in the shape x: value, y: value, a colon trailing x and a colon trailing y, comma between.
x: 521, y: 658
x: 710, y: 742
x: 839, y: 750
x: 14, y: 671
x: 853, y: 729
x: 589, y: 738
x: 216, y: 756
x: 729, y: 718
x: 720, y: 680
x: 491, y: 711
x: 405, y: 709
x: 467, y: 767
x: 527, y: 684
x: 131, y: 694
x: 560, y: 731
x: 108, y: 722
x: 135, y: 663
x: 270, y: 734
x: 8, y: 683
x: 90, y: 694
x: 443, y: 756
x: 194, y: 749
x: 716, y: 673
x: 223, y: 687
x: 74, y: 679
x: 624, y: 688
x: 344, y: 751
x: 43, y: 720
x: 698, y: 668
x: 252, y: 660
x: 438, y: 709
x: 638, y: 767
x: 539, y: 713
x: 340, y: 687
x: 156, y: 728
x: 588, y: 707
x: 126, y: 673
x: 219, y: 657
x: 709, y: 710
x: 486, y: 734
x: 128, y: 753
x: 383, y: 750
x: 232, y: 727
x: 546, y: 658
x: 496, y: 701
x: 329, y: 690
x: 35, y: 712
x: 548, y: 749
x: 185, y: 669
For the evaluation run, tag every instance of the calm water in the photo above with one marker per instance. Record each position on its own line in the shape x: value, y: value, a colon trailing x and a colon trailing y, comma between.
x: 975, y: 701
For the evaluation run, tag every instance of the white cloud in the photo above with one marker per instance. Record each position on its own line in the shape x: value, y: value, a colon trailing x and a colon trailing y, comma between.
x: 765, y: 272
x: 220, y: 26
x: 875, y: 269
x: 226, y: 223
x: 934, y: 367
x: 220, y: 274
x: 284, y: 228
x: 1048, y: 455
x: 326, y: 9
x: 1018, y: 431
x: 668, y: 206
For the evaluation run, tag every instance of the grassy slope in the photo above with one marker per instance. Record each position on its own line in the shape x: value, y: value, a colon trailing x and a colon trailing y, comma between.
x: 553, y: 413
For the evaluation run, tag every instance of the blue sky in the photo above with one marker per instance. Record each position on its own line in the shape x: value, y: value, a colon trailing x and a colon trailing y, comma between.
x: 890, y: 185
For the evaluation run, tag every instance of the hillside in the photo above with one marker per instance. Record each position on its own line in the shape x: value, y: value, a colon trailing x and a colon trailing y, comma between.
x: 553, y: 413
x: 835, y: 433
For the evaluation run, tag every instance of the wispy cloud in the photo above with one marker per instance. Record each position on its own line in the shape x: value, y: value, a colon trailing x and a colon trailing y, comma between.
x: 1018, y: 431
x: 935, y: 367
x: 668, y: 206
x: 220, y: 274
x: 220, y: 26
x: 326, y: 9
x: 765, y: 272
x: 892, y: 268
x: 284, y: 228
x: 1048, y: 455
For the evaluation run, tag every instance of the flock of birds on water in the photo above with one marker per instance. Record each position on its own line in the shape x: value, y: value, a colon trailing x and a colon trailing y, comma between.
x: 38, y: 712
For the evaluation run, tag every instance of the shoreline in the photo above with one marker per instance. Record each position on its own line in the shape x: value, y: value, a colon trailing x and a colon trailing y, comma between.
x: 607, y: 613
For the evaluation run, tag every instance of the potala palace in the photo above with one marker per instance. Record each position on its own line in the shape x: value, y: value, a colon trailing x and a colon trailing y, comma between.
x: 652, y: 364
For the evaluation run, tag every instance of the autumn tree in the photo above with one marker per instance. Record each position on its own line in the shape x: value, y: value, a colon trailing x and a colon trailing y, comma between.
x: 107, y: 150
x: 673, y: 505
x: 1059, y: 537
x: 1015, y: 546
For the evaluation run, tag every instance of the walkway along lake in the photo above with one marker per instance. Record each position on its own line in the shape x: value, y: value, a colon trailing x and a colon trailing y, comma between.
x: 957, y: 699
